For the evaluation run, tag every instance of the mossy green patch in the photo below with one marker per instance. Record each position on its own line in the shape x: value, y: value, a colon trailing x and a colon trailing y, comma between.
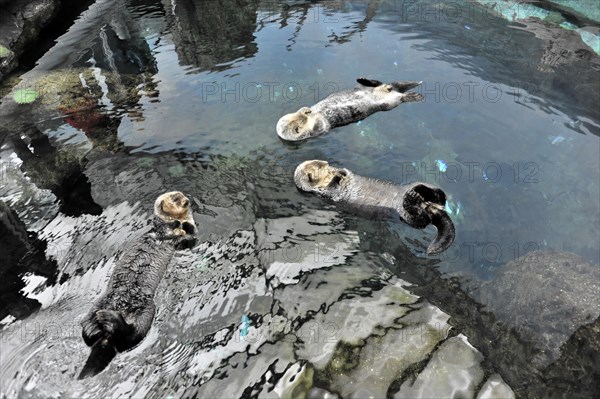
x: 4, y: 52
x: 25, y: 96
x: 554, y: 18
x: 177, y: 170
x: 145, y: 162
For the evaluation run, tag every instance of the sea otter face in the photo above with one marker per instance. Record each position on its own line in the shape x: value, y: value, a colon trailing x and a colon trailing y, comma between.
x: 318, y: 177
x: 174, y: 220
x: 300, y: 125
x: 174, y: 205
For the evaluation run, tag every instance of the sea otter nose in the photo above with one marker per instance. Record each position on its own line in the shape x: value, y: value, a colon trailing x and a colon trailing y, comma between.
x: 186, y: 203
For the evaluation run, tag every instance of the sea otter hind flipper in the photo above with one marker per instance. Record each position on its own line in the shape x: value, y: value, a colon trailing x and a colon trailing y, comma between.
x: 369, y: 82
x: 425, y: 205
x: 405, y: 86
x: 101, y: 355
x: 412, y: 97
x: 445, y: 231
x: 90, y: 330
x: 112, y: 323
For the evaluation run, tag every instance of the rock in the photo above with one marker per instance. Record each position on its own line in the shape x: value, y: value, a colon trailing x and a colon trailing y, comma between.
x: 545, y: 297
x: 454, y: 371
x: 202, y: 34
x: 21, y: 253
x: 318, y: 393
x: 495, y: 387
x: 368, y: 371
x: 579, y: 360
x: 25, y: 19
x: 529, y: 12
x: 586, y: 8
x: 295, y: 383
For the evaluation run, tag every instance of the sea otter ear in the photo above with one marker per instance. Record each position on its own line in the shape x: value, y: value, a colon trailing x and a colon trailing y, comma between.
x: 369, y: 82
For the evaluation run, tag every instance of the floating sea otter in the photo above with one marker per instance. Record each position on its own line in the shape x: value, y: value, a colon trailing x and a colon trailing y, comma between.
x: 345, y: 107
x: 121, y: 318
x: 417, y: 204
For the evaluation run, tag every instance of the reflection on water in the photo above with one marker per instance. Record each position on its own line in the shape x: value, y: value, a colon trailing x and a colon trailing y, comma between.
x: 285, y: 296
x: 203, y: 35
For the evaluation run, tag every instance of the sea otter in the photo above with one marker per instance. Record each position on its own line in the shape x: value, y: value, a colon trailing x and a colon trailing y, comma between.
x: 345, y: 107
x: 417, y: 204
x: 120, y: 319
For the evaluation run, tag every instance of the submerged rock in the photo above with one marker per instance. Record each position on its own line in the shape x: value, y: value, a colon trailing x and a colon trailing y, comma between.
x: 530, y: 14
x: 454, y: 371
x: 495, y: 387
x: 579, y: 360
x: 368, y: 368
x: 546, y: 297
x: 586, y: 8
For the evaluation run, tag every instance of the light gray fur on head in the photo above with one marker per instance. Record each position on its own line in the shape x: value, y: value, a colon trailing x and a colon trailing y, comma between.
x: 302, y: 124
x: 177, y: 201
x: 317, y: 176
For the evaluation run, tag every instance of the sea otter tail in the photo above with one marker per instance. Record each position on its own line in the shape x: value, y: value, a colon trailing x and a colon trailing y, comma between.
x: 103, y: 330
x: 424, y: 204
x: 102, y: 354
x: 103, y: 324
x: 445, y: 230
x: 405, y: 86
x: 401, y: 86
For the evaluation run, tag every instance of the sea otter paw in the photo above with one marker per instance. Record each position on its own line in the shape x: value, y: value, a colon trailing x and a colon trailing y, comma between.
x: 110, y: 321
x: 91, y: 331
x: 185, y: 242
x: 412, y: 97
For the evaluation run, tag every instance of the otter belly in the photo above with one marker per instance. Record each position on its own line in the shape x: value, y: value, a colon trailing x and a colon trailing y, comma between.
x: 376, y: 198
x: 348, y: 106
x: 416, y: 204
x: 121, y: 318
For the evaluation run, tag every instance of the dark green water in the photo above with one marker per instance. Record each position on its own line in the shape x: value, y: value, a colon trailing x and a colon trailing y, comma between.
x: 142, y: 97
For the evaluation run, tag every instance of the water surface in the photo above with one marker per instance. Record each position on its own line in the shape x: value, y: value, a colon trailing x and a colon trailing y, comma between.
x: 143, y: 97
